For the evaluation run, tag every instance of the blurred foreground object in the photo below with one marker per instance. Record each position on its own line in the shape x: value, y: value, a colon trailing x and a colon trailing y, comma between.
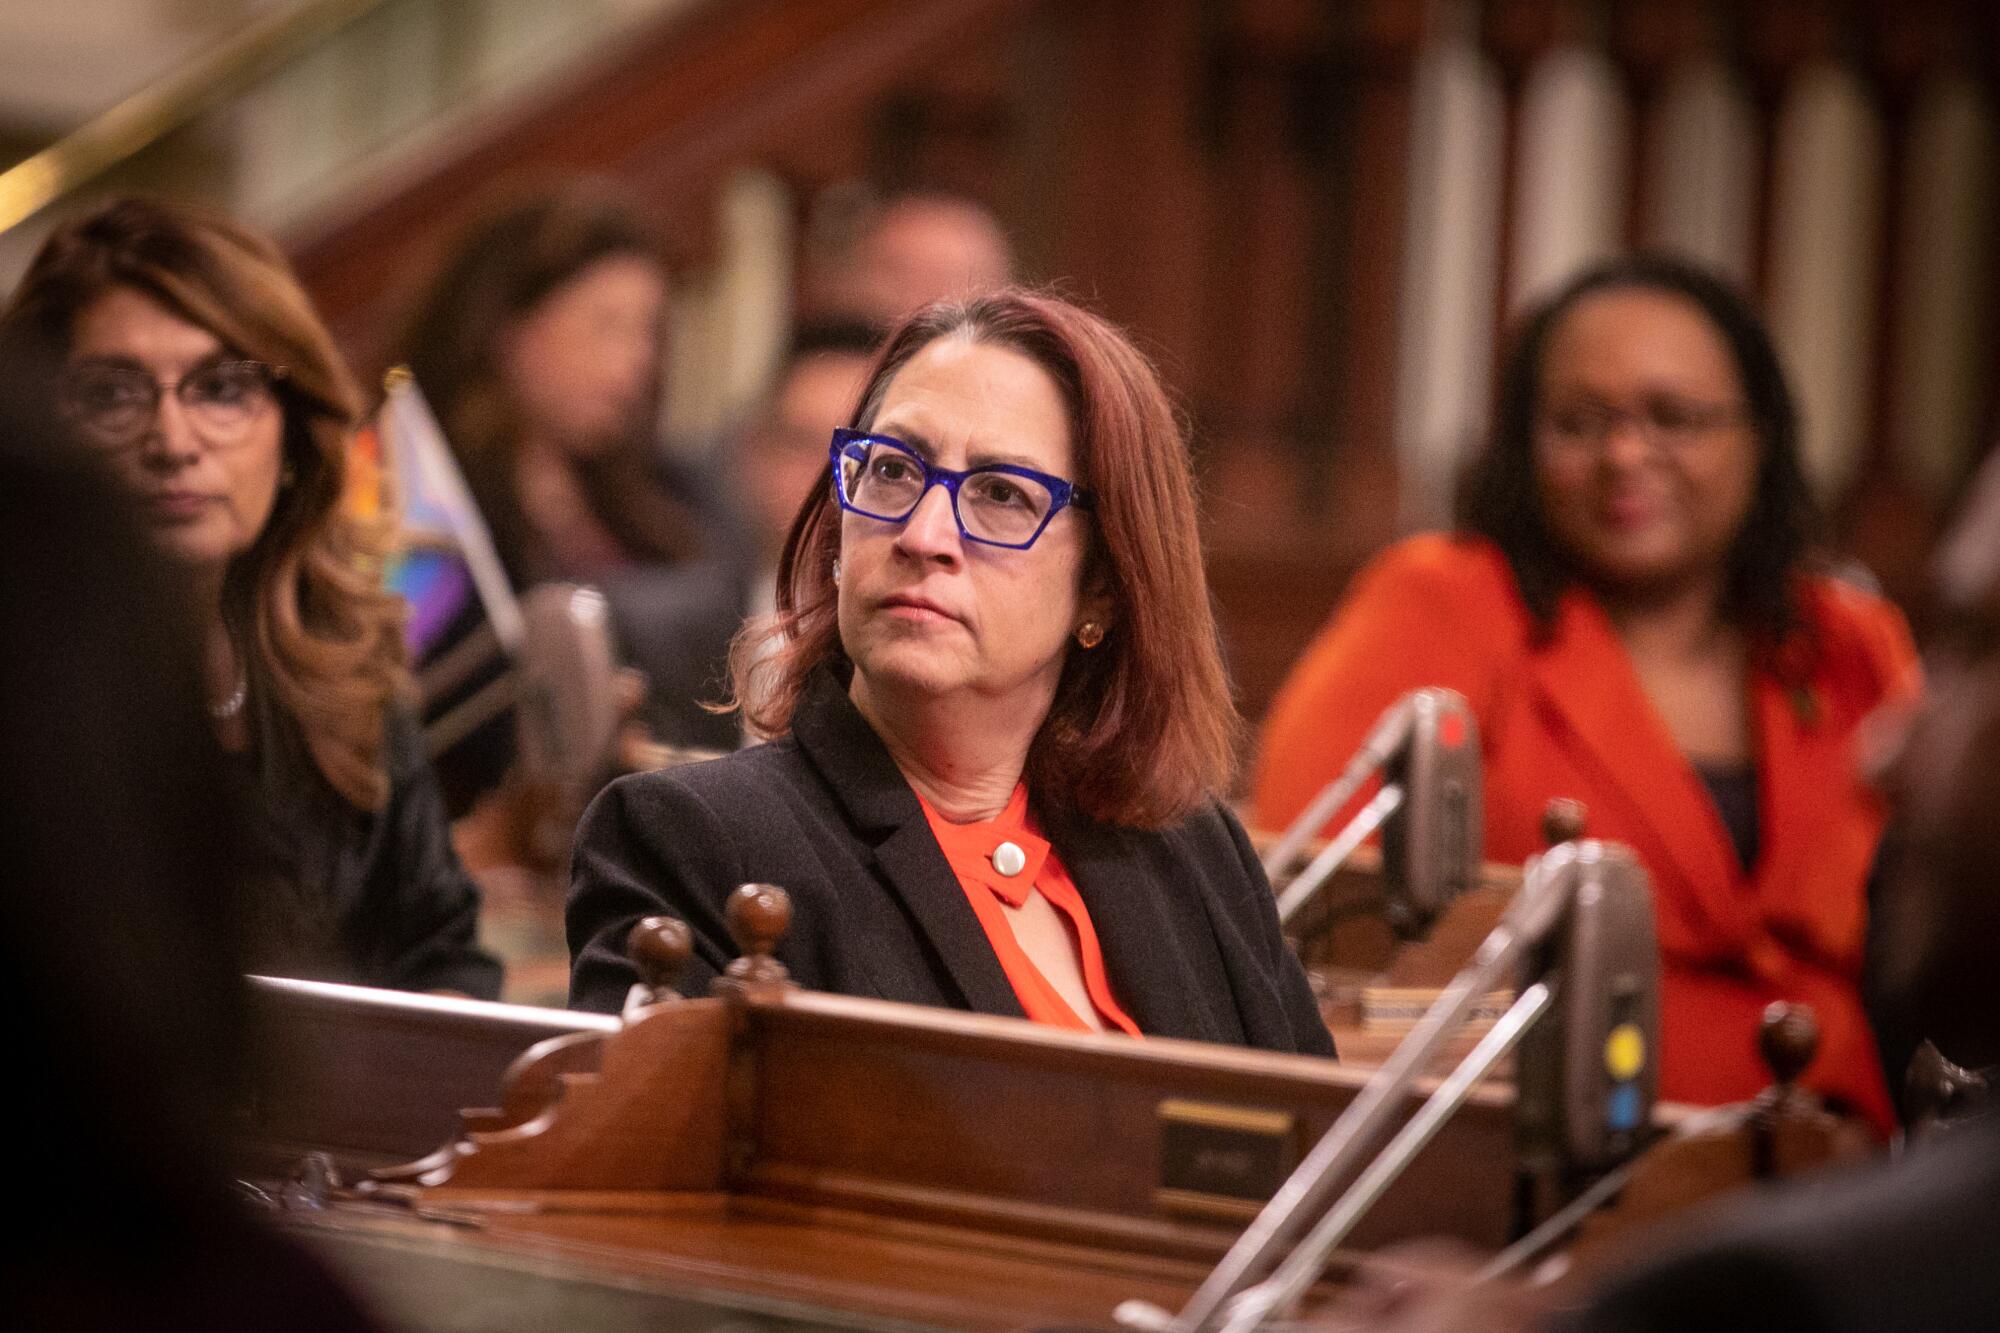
x: 120, y: 944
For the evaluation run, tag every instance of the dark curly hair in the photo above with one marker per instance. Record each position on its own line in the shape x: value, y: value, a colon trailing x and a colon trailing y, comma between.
x: 1499, y: 499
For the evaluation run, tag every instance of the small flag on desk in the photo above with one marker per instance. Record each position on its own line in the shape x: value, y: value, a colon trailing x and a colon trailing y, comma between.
x: 444, y: 553
x: 466, y: 626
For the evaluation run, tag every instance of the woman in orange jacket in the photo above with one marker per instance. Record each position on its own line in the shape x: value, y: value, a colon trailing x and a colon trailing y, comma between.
x: 1630, y: 611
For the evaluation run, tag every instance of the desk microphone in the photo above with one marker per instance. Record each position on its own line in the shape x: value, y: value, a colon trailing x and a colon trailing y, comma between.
x: 1578, y: 935
x: 1426, y: 749
x: 1432, y: 844
x: 1587, y: 1075
x: 566, y: 698
x: 1380, y: 744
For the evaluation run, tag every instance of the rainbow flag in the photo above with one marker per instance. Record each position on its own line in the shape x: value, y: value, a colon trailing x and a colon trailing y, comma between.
x: 444, y: 560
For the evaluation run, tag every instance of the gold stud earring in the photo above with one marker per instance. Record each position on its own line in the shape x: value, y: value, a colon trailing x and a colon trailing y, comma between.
x: 1089, y: 634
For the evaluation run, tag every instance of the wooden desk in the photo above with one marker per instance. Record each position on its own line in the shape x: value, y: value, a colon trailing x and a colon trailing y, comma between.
x: 379, y: 1075
x: 836, y: 1160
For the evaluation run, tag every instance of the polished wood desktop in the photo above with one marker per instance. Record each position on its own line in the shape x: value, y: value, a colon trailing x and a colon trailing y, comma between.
x: 834, y: 1154
x: 817, y: 1160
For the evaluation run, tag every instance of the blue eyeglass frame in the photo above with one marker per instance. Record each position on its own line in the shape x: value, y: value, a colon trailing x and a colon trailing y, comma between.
x: 1062, y: 494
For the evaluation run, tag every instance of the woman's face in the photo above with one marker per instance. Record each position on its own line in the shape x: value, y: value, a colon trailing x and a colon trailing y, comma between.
x: 1645, y: 457
x: 206, y: 479
x: 581, y: 363
x: 925, y: 612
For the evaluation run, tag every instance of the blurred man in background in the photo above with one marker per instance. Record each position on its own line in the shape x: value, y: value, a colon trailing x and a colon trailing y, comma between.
x: 784, y: 452
x: 904, y: 253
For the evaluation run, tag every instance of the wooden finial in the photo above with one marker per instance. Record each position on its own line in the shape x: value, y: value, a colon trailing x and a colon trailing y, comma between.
x: 758, y: 916
x: 1788, y: 1039
x: 1788, y: 1124
x: 1562, y: 821
x: 660, y: 947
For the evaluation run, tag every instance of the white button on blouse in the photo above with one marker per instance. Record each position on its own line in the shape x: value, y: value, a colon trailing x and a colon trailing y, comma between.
x: 1009, y: 859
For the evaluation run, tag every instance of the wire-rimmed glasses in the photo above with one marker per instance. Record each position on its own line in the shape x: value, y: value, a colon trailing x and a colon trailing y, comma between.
x: 114, y: 406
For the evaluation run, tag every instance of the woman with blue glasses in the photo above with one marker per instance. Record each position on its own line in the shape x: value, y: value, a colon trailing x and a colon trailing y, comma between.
x: 997, y: 715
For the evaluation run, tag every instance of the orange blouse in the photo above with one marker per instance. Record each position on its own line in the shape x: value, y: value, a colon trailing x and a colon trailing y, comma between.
x: 977, y: 856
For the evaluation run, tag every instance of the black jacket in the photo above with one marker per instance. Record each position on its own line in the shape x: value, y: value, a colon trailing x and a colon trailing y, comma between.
x: 1186, y: 920
x: 375, y: 898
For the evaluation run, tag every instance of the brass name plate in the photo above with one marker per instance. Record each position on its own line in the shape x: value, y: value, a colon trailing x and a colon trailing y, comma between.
x: 1222, y: 1161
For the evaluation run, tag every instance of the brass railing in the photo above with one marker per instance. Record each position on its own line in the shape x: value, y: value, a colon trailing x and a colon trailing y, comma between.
x: 149, y: 115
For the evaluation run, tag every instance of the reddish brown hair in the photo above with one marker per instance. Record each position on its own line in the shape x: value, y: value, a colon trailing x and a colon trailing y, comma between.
x: 321, y: 637
x: 1142, y: 730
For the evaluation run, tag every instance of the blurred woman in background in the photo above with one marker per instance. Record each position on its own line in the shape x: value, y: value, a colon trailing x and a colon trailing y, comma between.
x: 194, y: 369
x: 1630, y: 610
x: 1000, y: 712
x: 540, y: 345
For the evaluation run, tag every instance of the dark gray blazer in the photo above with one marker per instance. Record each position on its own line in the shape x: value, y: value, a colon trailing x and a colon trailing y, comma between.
x: 1186, y: 920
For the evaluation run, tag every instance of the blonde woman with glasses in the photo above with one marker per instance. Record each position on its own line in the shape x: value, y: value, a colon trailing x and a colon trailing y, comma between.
x: 190, y: 364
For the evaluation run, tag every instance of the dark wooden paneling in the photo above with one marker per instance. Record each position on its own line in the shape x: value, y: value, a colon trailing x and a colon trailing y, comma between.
x: 1131, y: 201
x: 1224, y: 177
x: 666, y: 115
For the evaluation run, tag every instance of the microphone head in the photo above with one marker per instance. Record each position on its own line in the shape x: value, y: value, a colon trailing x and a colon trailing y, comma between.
x: 1587, y: 1074
x: 568, y: 707
x: 1432, y: 846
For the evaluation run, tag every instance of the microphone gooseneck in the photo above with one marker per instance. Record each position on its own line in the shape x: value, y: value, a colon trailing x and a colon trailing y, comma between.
x: 1578, y: 935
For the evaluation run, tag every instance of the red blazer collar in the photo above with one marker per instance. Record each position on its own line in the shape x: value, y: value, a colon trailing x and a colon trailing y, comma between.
x: 1586, y: 685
